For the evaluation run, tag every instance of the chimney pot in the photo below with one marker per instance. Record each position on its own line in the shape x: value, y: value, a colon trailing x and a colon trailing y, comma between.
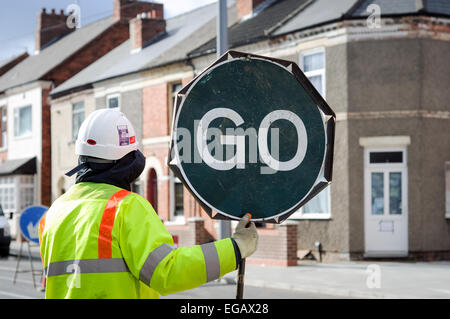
x: 143, y: 30
x: 50, y: 26
x: 125, y: 10
x: 246, y: 7
x: 61, y: 11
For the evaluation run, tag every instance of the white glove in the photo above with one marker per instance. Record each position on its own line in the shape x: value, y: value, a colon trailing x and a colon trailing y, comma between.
x: 246, y: 238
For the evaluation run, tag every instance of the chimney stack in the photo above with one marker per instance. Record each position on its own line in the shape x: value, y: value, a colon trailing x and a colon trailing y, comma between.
x: 246, y: 7
x: 144, y: 28
x: 50, y: 26
x: 125, y: 10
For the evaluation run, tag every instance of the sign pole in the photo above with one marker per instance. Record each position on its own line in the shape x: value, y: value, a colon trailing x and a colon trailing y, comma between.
x: 241, y: 272
x: 222, y: 47
x: 243, y: 92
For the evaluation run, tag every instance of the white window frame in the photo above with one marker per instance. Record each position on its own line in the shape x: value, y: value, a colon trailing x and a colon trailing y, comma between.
x: 174, y: 220
x: 321, y: 72
x: 299, y: 214
x: 76, y: 112
x: 16, y: 113
x: 112, y: 96
x: 172, y: 98
x: 4, y: 120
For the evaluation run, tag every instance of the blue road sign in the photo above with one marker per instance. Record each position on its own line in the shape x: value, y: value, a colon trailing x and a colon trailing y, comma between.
x: 29, y: 222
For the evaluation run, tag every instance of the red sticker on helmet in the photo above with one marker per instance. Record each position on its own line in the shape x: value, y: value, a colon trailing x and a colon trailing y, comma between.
x: 132, y: 139
x: 91, y: 142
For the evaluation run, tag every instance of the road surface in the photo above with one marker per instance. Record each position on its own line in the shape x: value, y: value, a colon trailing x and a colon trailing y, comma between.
x: 23, y: 289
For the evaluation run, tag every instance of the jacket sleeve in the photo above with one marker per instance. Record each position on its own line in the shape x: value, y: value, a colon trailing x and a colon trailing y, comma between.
x: 148, y: 250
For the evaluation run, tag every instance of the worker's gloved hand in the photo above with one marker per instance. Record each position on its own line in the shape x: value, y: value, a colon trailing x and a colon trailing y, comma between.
x: 246, y: 237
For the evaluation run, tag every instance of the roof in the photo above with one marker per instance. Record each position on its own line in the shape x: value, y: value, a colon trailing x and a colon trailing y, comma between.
x: 23, y: 166
x: 9, y: 63
x: 36, y: 66
x: 183, y: 34
x: 389, y: 7
x: 254, y: 28
x: 193, y: 34
x: 317, y: 12
x: 285, y: 16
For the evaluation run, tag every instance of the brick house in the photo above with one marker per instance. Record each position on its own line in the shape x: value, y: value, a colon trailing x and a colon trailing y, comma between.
x: 385, y: 78
x: 140, y: 77
x: 60, y: 53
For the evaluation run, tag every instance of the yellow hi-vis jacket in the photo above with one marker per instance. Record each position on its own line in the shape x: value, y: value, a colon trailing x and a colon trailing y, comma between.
x: 101, y: 241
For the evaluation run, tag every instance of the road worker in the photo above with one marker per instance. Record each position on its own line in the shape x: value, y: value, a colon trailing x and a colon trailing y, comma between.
x: 100, y: 240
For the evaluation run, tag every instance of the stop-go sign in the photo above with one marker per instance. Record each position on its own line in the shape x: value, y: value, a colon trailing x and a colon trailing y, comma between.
x: 251, y: 134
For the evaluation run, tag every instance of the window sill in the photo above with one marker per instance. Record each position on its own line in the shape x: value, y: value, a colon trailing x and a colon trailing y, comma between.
x: 176, y: 222
x: 22, y: 137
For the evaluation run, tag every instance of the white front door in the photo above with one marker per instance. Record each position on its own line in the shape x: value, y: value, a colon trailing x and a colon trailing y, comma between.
x: 385, y: 202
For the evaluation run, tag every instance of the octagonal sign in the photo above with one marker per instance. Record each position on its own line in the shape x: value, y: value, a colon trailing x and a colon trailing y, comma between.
x: 251, y: 134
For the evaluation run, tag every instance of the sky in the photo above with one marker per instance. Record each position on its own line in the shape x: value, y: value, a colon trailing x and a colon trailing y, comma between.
x: 18, y: 22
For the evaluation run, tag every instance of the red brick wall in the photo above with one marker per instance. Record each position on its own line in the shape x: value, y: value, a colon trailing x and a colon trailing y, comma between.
x: 277, y: 246
x: 46, y: 178
x: 154, y: 111
x: 194, y: 233
x: 142, y: 31
x: 104, y: 43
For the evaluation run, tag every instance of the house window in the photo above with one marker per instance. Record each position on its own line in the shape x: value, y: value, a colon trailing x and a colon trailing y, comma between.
x: 173, y: 90
x: 4, y: 124
x: 313, y: 64
x: 113, y: 101
x: 176, y: 201
x: 22, y: 121
x: 179, y: 197
x: 8, y: 194
x: 26, y: 191
x: 77, y: 118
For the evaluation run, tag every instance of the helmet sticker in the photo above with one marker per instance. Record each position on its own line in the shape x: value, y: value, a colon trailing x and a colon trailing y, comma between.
x: 124, y: 139
x: 132, y: 139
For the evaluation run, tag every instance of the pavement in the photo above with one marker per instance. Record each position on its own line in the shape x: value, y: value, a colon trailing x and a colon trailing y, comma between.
x: 353, y: 279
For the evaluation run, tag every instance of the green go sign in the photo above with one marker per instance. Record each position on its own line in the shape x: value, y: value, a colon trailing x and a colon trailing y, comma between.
x: 251, y: 134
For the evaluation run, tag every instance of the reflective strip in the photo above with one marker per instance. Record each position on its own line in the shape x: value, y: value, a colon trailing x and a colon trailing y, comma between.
x: 107, y: 223
x: 152, y: 261
x: 85, y: 266
x: 212, y: 262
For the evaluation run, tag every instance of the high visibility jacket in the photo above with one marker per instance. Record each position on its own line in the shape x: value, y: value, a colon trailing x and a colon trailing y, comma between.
x: 101, y: 241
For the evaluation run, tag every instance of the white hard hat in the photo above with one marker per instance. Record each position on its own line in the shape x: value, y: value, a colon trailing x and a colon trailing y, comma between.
x: 106, y: 134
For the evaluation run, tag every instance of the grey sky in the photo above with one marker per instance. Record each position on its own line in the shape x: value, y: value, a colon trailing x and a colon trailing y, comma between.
x: 18, y: 21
